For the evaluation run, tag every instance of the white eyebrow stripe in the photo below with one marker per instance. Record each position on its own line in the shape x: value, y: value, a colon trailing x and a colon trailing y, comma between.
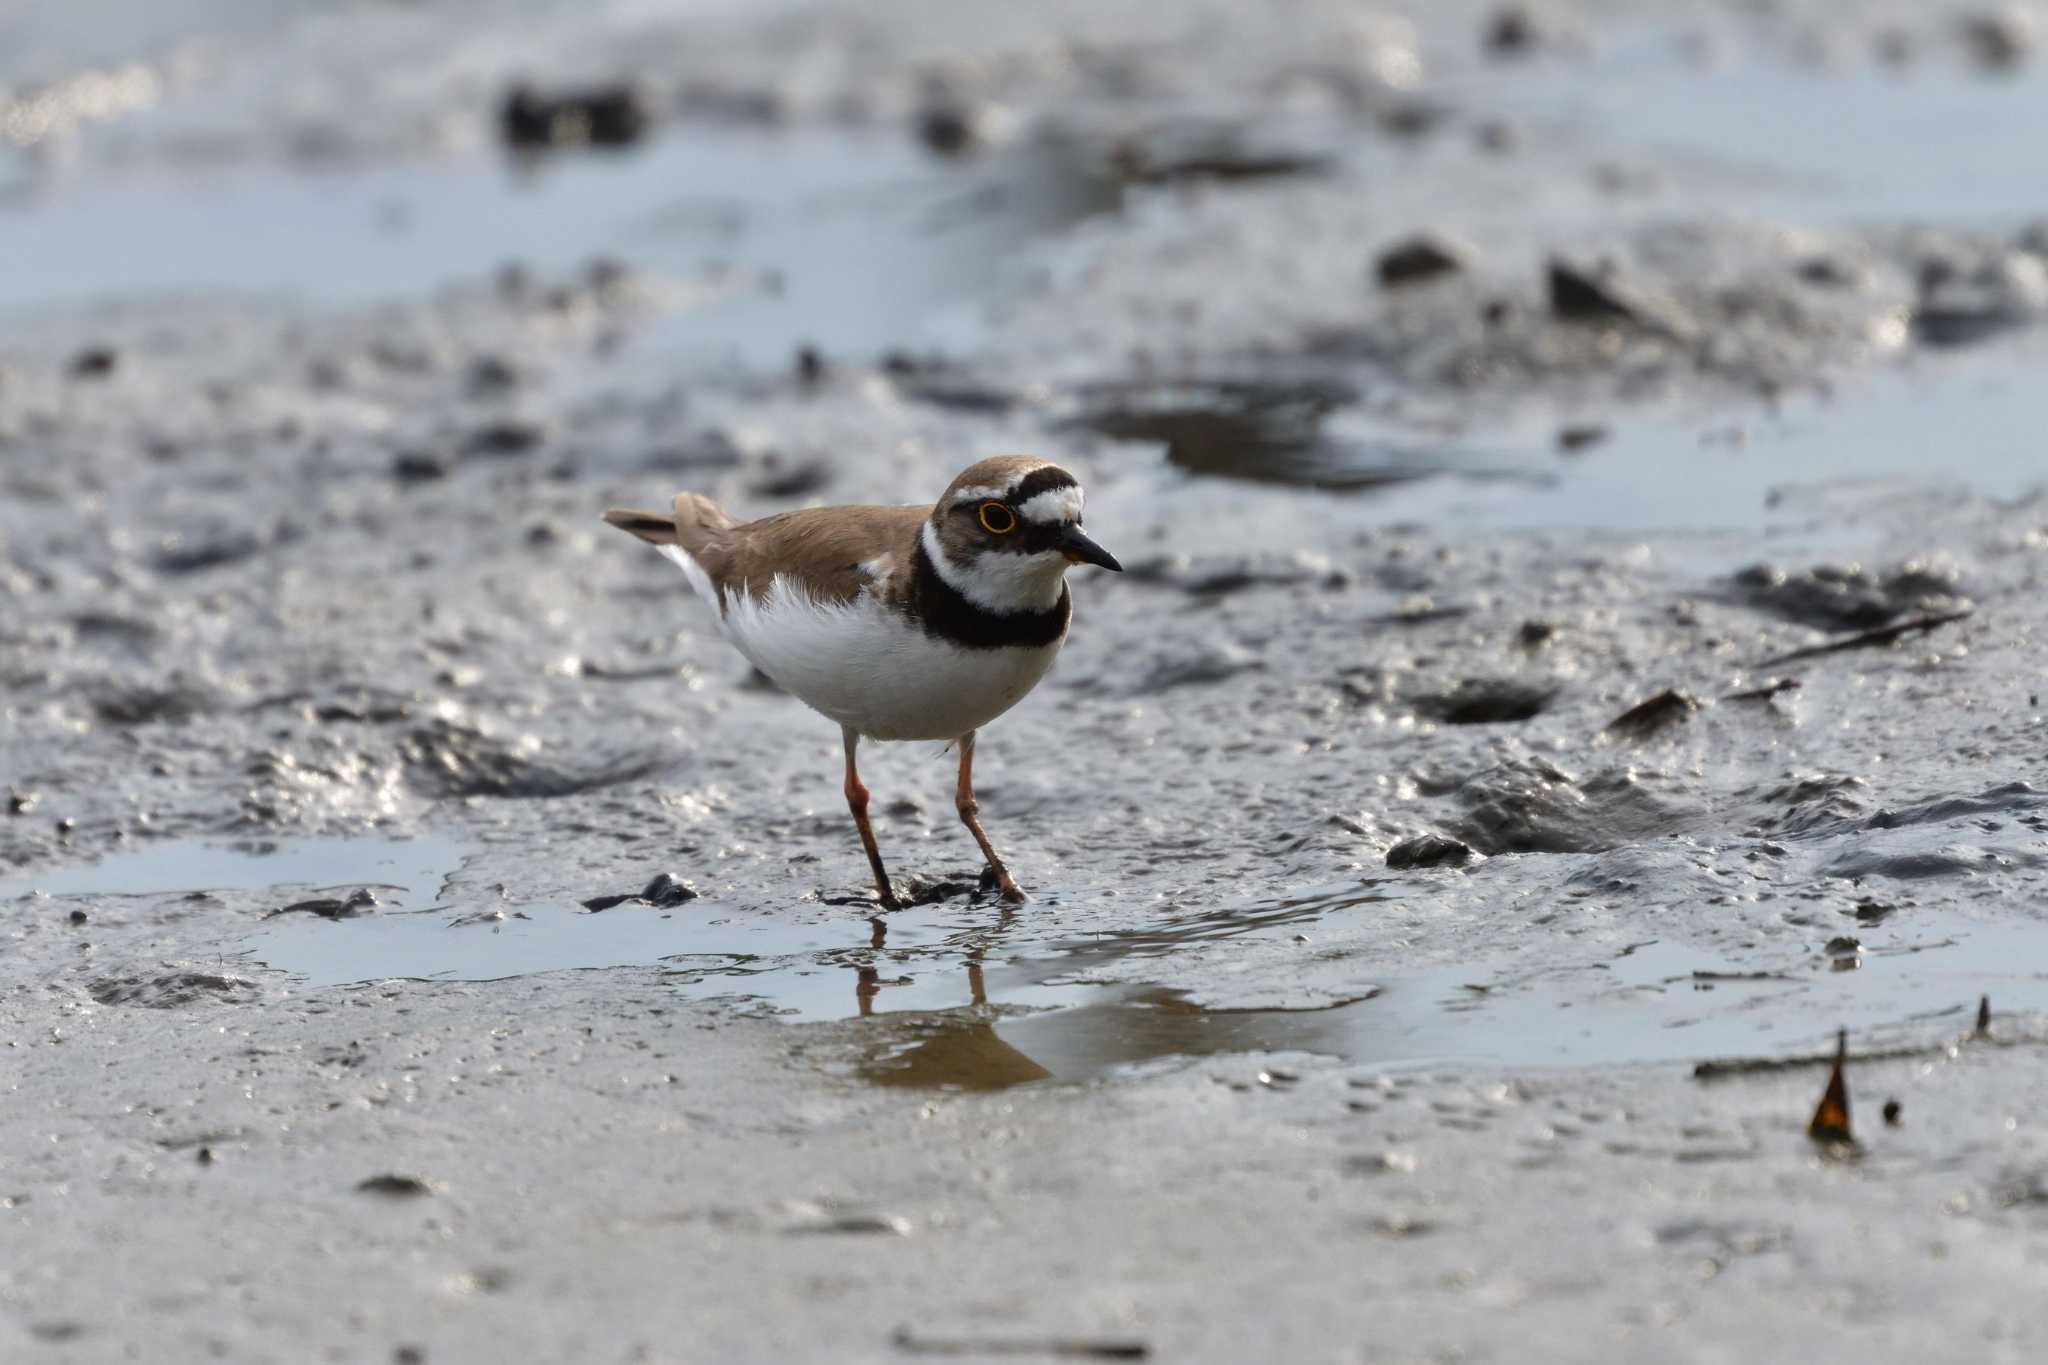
x: 1053, y: 507
x: 978, y: 494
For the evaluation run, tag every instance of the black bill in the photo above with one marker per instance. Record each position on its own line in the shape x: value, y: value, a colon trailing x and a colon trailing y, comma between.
x: 1081, y: 550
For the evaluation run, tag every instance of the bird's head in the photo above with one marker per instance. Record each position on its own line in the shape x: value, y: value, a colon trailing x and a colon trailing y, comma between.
x: 1006, y: 532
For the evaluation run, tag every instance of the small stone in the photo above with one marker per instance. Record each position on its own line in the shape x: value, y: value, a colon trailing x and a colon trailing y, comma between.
x: 947, y: 129
x: 395, y: 1186
x: 602, y: 116
x: 78, y: 917
x: 1511, y: 32
x: 415, y: 466
x: 857, y: 1225
x: 95, y: 362
x: 1578, y: 436
x: 505, y: 438
x: 1668, y: 708
x: 20, y: 803
x: 666, y: 890
x: 490, y: 374
x: 1825, y: 272
x: 1417, y: 259
x: 1580, y: 295
x: 2000, y: 40
x: 1381, y: 1163
x: 204, y: 1156
x: 810, y: 365
x: 1428, y: 850
x: 1893, y: 1110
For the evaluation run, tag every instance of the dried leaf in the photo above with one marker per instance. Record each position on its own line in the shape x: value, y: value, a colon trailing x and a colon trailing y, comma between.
x: 1831, y: 1120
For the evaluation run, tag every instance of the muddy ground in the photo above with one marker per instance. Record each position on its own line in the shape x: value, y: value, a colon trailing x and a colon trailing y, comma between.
x: 1581, y: 648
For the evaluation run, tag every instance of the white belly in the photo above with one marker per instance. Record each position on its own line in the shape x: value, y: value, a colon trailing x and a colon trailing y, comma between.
x: 873, y: 670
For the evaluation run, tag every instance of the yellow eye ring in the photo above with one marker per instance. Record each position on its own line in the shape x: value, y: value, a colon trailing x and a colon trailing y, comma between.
x: 997, y: 519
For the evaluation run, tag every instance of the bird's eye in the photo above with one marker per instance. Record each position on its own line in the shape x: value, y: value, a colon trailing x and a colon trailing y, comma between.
x: 997, y: 519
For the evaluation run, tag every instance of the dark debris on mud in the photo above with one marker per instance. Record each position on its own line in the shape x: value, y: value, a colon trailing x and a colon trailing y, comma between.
x: 663, y: 892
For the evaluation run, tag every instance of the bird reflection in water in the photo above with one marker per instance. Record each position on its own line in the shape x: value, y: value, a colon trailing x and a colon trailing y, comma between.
x: 957, y: 1049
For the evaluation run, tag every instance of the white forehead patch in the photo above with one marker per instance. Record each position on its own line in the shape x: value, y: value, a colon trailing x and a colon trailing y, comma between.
x: 1053, y: 507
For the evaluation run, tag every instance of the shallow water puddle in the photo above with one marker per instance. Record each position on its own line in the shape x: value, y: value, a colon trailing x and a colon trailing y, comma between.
x: 1937, y: 424
x: 1848, y: 143
x: 849, y: 240
x: 403, y: 873
x: 970, y: 995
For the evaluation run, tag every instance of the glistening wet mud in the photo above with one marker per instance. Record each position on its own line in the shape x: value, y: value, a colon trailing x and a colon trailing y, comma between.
x: 1584, y: 619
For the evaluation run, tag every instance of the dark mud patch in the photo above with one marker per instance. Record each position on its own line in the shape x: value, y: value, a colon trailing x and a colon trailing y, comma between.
x: 1264, y: 431
x: 1825, y: 805
x: 1900, y: 860
x: 1211, y: 576
x: 1846, y: 596
x: 181, y: 555
x: 358, y: 902
x: 1429, y: 850
x: 174, y: 990
x: 172, y: 703
x: 1486, y: 701
x: 1647, y: 719
x: 1528, y: 805
x: 449, y: 760
x: 2021, y: 801
x: 663, y: 892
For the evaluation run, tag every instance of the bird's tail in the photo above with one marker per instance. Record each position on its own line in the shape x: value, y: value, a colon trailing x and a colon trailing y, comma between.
x: 694, y: 521
x: 681, y: 536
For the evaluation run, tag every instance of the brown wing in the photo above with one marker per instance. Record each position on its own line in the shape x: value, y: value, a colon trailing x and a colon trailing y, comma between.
x: 823, y: 548
x: 828, y: 549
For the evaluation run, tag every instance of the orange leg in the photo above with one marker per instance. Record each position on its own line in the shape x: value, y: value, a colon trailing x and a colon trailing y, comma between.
x: 857, y: 802
x: 970, y: 809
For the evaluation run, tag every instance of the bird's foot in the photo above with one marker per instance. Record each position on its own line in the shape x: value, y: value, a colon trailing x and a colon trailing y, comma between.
x: 999, y: 879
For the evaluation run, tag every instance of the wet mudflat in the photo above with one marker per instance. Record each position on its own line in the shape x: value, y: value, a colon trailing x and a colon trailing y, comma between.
x: 1583, y: 621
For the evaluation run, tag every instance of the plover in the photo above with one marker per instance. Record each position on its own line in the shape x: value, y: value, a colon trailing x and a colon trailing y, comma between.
x: 899, y: 623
